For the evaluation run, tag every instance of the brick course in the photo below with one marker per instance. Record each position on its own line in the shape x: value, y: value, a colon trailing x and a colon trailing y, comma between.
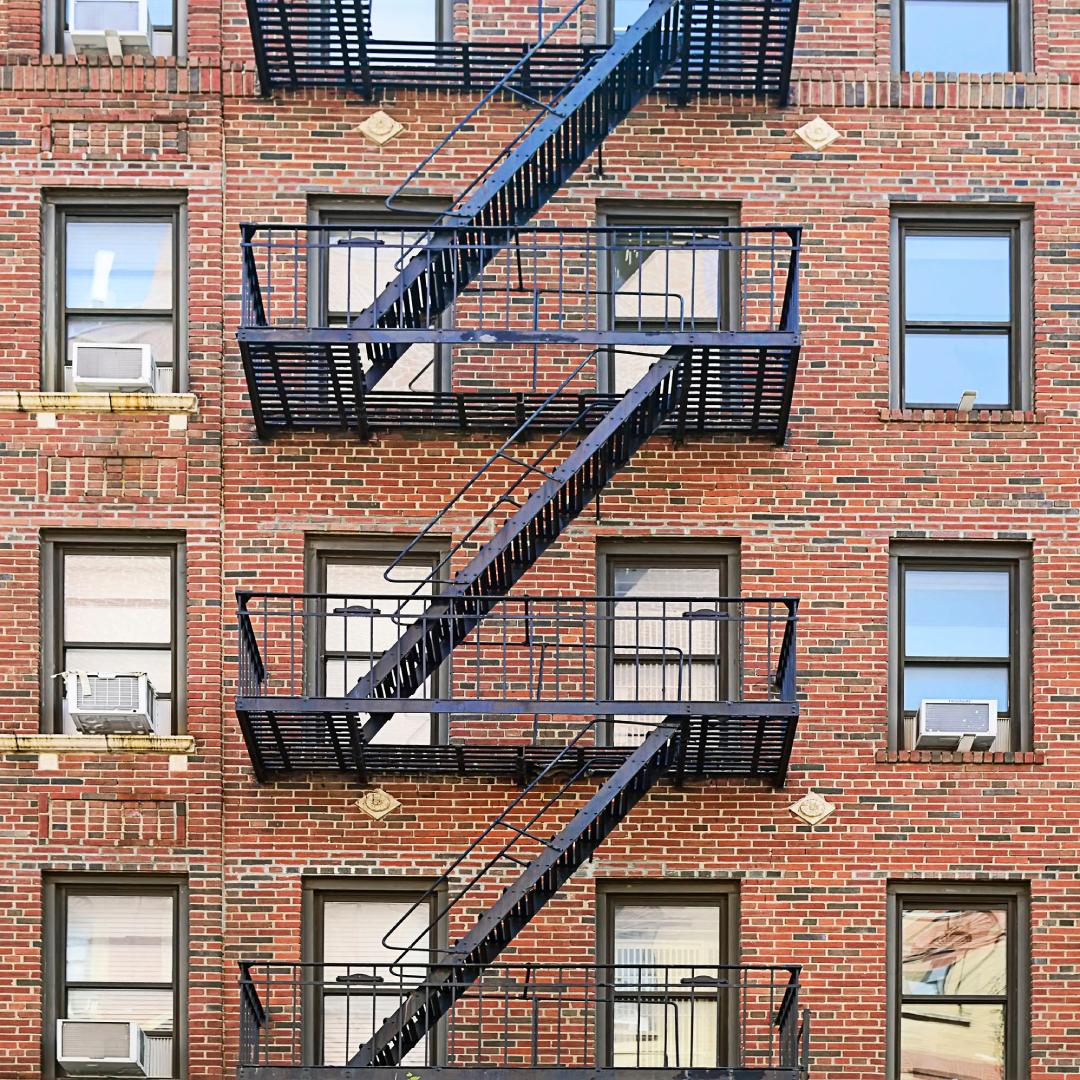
x: 813, y: 518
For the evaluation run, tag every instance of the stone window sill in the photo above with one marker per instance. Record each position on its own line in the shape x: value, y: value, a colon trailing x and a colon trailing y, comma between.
x: 954, y: 416
x: 951, y: 757
x: 97, y: 744
x: 47, y: 405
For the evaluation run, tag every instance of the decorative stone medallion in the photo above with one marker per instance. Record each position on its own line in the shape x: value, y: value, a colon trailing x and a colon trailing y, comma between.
x: 380, y: 127
x: 377, y: 803
x: 817, y: 133
x: 812, y: 808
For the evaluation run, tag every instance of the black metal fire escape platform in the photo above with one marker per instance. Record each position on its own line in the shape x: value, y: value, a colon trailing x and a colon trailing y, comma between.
x: 544, y: 298
x: 532, y: 668
x: 731, y: 46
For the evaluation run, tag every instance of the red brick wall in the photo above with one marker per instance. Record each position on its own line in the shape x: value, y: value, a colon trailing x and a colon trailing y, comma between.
x: 814, y: 518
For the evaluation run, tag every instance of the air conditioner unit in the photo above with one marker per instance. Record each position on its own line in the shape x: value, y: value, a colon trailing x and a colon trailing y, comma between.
x: 118, y: 26
x: 127, y: 369
x: 107, y: 703
x: 101, y: 1048
x: 955, y: 723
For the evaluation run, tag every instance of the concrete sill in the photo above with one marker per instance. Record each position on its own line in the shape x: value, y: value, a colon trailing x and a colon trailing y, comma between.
x: 43, y: 402
x: 97, y: 744
x: 954, y: 416
x: 950, y: 757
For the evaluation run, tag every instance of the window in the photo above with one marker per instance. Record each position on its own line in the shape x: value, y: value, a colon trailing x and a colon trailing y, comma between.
x: 346, y: 646
x: 666, y: 947
x: 410, y: 20
x: 958, y: 964
x: 657, y: 280
x: 353, y: 272
x: 114, y: 605
x: 962, y: 629
x: 347, y: 928
x: 113, y: 277
x: 964, y: 311
x: 657, y: 652
x: 165, y: 24
x: 969, y: 36
x: 615, y: 17
x: 114, y: 952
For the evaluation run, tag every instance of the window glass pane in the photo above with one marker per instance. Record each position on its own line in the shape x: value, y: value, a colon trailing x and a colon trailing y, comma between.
x: 362, y: 262
x: 353, y: 931
x: 655, y: 276
x: 349, y: 1021
x: 112, y: 330
x: 629, y: 365
x: 957, y: 278
x: 118, y: 598
x: 157, y: 663
x: 960, y: 1042
x: 404, y: 20
x: 977, y: 683
x: 956, y: 613
x: 954, y: 952
x: 161, y: 13
x: 119, y: 264
x: 152, y: 1009
x: 938, y: 368
x: 117, y: 937
x: 687, y: 580
x: 679, y: 1034
x: 625, y: 13
x: 956, y: 35
x: 665, y: 934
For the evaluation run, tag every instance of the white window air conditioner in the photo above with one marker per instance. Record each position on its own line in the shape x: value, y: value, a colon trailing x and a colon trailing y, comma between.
x: 115, y: 26
x: 107, y: 703
x: 101, y: 1048
x: 956, y: 724
x: 127, y: 369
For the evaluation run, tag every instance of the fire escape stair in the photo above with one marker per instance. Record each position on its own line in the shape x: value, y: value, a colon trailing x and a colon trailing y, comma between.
x: 538, y: 882
x: 520, y: 183
x: 450, y: 617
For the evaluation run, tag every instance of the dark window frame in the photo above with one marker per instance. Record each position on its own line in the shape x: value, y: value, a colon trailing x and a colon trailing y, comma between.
x: 55, y: 545
x: 966, y: 220
x: 1015, y: 897
x: 661, y: 554
x: 316, y: 891
x: 960, y: 555
x: 56, y: 888
x: 54, y: 25
x: 1020, y: 36
x: 366, y: 213
x: 674, y: 213
x: 721, y: 893
x: 323, y: 548
x: 105, y: 205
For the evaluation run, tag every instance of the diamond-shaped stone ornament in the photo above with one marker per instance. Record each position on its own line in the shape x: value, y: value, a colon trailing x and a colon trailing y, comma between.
x: 817, y: 133
x: 380, y: 127
x: 812, y: 808
x: 377, y: 803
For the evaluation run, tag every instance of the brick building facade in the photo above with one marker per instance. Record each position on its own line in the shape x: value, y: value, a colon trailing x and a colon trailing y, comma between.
x: 868, y: 488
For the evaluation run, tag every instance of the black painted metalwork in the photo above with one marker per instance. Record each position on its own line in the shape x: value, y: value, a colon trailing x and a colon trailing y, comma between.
x: 529, y: 668
x: 733, y: 46
x: 546, y: 864
x: 730, y: 295
x: 547, y: 1020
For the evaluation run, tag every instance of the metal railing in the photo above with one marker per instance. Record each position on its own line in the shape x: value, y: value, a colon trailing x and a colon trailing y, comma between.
x: 631, y: 655
x: 522, y: 1015
x: 614, y: 285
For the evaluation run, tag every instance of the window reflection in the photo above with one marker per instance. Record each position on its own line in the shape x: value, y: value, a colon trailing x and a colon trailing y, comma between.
x: 957, y: 35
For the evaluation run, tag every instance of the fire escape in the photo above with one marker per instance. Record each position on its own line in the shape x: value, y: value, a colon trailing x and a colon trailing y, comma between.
x: 608, y: 336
